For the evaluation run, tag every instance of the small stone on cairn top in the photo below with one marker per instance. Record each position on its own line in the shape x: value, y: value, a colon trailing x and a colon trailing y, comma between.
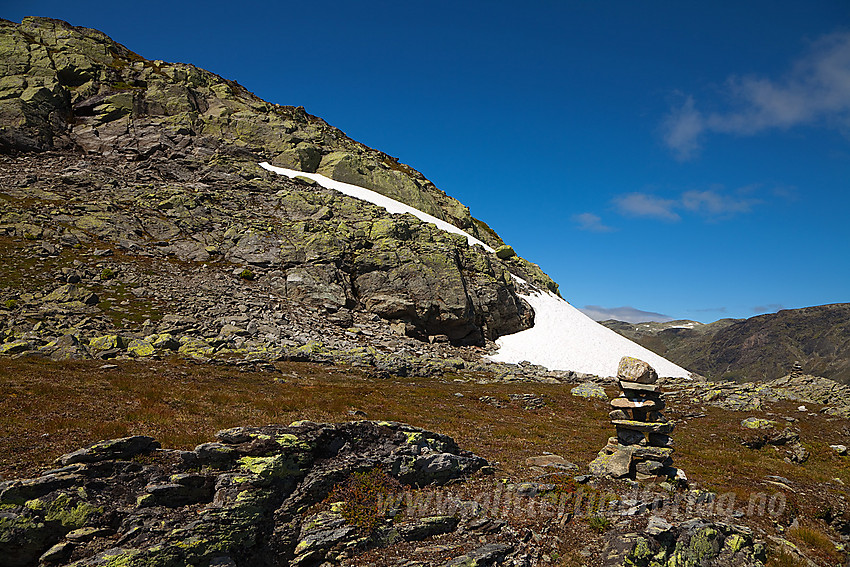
x: 643, y: 447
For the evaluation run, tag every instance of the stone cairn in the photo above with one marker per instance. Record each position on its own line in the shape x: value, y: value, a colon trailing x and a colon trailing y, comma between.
x: 643, y: 447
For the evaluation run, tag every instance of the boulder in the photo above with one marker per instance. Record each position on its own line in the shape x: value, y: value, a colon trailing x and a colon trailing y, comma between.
x: 632, y: 369
x: 124, y: 448
x: 589, y: 390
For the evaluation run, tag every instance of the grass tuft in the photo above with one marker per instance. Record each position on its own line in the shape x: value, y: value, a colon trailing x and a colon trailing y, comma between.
x: 362, y: 495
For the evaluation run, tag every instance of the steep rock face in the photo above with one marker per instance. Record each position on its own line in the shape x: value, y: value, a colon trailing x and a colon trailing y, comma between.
x: 759, y: 348
x: 171, y: 170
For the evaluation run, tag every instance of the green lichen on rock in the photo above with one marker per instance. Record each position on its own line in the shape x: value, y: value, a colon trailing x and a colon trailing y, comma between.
x: 758, y: 423
x: 140, y: 348
x: 589, y: 390
x: 735, y: 543
x: 287, y: 441
x: 275, y: 467
x: 106, y: 342
x: 195, y: 348
x: 640, y: 554
x: 15, y: 347
x: 419, y: 439
x: 703, y: 545
x: 504, y: 252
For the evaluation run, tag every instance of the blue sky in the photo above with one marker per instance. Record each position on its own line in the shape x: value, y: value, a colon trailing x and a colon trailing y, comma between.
x: 684, y: 159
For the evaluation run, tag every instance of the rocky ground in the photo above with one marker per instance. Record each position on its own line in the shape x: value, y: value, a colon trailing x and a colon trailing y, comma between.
x: 311, y: 494
x: 766, y: 485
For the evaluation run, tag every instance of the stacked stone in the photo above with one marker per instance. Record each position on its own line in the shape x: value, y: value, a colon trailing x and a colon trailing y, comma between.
x: 643, y: 447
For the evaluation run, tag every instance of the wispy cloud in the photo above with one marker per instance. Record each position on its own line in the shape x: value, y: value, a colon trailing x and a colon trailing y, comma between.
x: 713, y: 204
x: 625, y: 313
x: 681, y: 129
x: 646, y: 205
x: 769, y: 308
x: 591, y: 222
x: 816, y: 91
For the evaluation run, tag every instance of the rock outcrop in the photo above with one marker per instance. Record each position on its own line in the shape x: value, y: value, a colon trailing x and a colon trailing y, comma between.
x: 72, y: 87
x: 245, y: 499
x: 692, y: 542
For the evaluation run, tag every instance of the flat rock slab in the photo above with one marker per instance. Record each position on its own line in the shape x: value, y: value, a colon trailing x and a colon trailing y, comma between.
x: 653, y: 453
x: 613, y: 461
x: 490, y: 554
x: 637, y: 403
x: 661, y: 427
x: 638, y: 387
x: 555, y: 461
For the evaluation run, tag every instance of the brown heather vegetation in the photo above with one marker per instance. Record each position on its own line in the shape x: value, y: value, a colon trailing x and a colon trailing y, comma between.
x: 49, y: 408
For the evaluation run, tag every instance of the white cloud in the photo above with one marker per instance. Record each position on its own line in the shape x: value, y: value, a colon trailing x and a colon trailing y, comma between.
x: 816, y: 91
x: 625, y: 313
x: 682, y: 128
x: 646, y: 205
x: 714, y: 204
x: 591, y: 222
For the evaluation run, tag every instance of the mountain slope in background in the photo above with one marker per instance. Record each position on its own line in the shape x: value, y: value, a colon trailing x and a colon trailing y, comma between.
x: 759, y: 348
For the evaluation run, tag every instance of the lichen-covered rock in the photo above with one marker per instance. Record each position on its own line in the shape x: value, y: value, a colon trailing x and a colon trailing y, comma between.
x: 614, y: 461
x: 633, y: 369
x: 758, y: 423
x: 124, y: 448
x: 69, y: 293
x: 504, y: 252
x: 589, y: 390
x: 246, y: 504
x: 693, y: 542
x: 140, y: 348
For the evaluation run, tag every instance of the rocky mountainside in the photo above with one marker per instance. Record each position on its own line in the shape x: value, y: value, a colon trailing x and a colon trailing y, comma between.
x: 131, y: 202
x: 759, y: 348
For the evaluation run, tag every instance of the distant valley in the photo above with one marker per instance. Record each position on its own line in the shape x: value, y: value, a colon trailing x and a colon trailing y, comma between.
x: 759, y: 348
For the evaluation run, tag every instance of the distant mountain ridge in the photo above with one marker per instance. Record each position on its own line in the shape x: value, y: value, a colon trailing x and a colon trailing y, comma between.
x: 764, y: 347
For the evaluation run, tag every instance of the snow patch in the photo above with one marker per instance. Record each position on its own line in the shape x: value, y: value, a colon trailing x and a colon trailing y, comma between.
x: 391, y: 205
x: 564, y: 338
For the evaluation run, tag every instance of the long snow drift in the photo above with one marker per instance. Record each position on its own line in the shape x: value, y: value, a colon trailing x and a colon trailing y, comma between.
x: 375, y: 198
x: 563, y: 338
